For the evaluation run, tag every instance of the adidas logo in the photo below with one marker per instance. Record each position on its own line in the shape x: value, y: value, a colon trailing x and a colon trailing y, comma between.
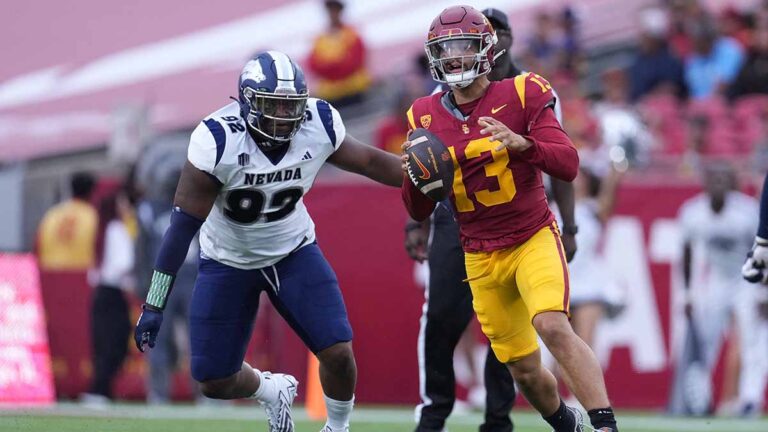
x: 306, y: 156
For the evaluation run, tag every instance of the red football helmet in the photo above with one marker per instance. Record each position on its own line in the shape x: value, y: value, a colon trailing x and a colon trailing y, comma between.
x: 460, y: 46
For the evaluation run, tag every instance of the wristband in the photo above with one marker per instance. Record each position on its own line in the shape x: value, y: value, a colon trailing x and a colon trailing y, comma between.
x: 570, y: 229
x: 159, y: 289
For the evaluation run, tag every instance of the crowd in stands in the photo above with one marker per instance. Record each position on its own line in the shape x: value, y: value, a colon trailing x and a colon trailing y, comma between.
x: 695, y: 87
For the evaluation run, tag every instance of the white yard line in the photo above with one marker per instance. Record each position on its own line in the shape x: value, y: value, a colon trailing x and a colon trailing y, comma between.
x: 373, y: 415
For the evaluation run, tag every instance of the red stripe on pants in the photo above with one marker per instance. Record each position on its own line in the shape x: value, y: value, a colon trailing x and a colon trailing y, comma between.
x: 564, y: 263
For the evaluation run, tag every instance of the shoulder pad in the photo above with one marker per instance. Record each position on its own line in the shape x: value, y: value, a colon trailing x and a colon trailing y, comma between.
x: 329, y: 118
x: 420, y: 110
x: 533, y: 90
x: 219, y: 136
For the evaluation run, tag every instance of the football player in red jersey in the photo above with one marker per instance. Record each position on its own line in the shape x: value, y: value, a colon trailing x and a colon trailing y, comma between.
x: 501, y: 136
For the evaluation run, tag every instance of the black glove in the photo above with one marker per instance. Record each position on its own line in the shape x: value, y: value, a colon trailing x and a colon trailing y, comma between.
x: 148, y: 326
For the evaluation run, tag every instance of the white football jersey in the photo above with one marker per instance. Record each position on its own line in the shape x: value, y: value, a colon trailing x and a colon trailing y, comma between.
x: 259, y: 216
x: 719, y: 241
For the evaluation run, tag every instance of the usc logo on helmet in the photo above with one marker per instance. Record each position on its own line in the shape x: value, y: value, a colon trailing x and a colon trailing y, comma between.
x: 426, y: 120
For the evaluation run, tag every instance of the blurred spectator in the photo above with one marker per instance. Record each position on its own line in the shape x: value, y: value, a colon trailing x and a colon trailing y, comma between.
x: 753, y: 76
x: 110, y: 322
x: 655, y: 69
x: 542, y: 48
x: 553, y: 50
x: 759, y: 16
x: 67, y: 233
x: 733, y: 24
x: 714, y: 63
x: 759, y: 156
x: 423, y: 74
x: 625, y: 139
x: 65, y: 246
x: 338, y: 60
x: 695, y: 144
x: 154, y: 215
x: 391, y: 131
x: 570, y: 48
x: 683, y: 14
x: 591, y: 293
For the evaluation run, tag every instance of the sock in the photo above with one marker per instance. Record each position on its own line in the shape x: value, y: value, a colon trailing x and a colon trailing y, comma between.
x: 338, y: 413
x: 602, y: 417
x: 562, y: 419
x: 266, y: 391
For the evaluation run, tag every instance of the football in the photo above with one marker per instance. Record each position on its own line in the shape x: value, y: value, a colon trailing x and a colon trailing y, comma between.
x: 430, y: 165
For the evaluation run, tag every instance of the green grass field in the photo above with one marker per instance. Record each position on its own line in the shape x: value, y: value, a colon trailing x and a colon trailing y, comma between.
x: 240, y: 418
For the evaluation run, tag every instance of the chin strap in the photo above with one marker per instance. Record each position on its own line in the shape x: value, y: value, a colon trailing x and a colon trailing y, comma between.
x: 499, y: 54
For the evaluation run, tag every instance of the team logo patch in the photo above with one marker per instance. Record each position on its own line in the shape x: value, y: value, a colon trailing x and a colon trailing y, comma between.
x: 254, y: 72
x: 243, y: 159
x: 465, y: 129
x: 426, y: 120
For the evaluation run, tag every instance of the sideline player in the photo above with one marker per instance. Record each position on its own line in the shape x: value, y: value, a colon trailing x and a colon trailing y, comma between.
x: 447, y: 308
x: 716, y: 228
x: 249, y: 165
x: 501, y: 136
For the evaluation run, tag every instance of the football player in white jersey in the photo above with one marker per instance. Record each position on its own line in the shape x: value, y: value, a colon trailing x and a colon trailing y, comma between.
x: 717, y: 227
x: 249, y: 165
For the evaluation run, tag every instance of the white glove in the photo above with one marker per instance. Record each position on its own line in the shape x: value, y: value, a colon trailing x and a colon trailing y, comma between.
x: 754, y: 268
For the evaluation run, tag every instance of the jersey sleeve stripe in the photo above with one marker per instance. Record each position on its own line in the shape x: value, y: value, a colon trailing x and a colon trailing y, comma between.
x: 218, y: 135
x: 411, y: 122
x: 326, y: 118
x: 520, y: 87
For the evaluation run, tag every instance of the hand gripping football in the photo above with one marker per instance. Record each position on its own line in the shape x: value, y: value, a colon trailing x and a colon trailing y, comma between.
x: 430, y: 165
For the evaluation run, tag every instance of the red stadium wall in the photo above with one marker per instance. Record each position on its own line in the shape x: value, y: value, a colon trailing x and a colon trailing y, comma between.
x: 360, y: 230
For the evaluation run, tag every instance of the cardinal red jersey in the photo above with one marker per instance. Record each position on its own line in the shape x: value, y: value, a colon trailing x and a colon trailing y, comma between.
x: 498, y: 195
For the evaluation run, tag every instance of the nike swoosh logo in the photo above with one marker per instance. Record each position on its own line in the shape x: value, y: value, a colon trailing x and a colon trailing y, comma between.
x: 425, y: 175
x: 495, y: 110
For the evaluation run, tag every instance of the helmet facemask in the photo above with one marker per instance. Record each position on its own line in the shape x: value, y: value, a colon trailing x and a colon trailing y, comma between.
x: 275, y: 116
x: 458, y: 60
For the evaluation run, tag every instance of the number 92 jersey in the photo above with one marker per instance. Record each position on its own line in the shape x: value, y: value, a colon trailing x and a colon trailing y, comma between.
x: 259, y: 216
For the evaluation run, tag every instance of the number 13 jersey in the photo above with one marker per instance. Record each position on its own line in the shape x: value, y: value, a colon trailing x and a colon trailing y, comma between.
x: 259, y: 216
x: 498, y: 195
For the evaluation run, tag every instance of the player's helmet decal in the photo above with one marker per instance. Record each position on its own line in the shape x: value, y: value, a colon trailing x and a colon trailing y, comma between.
x: 273, y: 97
x: 460, y: 46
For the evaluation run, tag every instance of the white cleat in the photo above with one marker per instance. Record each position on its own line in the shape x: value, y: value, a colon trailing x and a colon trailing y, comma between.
x: 328, y: 429
x: 279, y: 411
x: 580, y: 426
